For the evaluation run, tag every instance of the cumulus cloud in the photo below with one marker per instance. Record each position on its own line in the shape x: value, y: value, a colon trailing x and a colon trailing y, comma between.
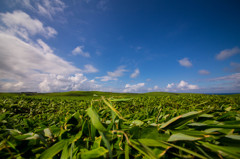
x: 22, y: 25
x: 181, y: 86
x: 26, y: 67
x: 203, y: 72
x: 170, y: 85
x: 29, y: 65
x: 79, y: 51
x: 227, y: 53
x: 22, y: 58
x: 133, y: 88
x: 113, y: 75
x: 135, y: 73
x: 185, y: 62
x: 75, y: 82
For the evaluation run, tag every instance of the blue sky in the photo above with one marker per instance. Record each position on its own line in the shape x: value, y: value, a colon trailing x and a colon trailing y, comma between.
x: 120, y: 45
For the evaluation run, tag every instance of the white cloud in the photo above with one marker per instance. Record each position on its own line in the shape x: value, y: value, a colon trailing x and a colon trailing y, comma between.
x: 78, y: 81
x: 224, y: 84
x: 232, y: 77
x: 171, y: 85
x: 26, y: 65
x: 181, y: 86
x: 89, y: 69
x: 22, y: 25
x: 155, y: 87
x: 79, y: 51
x: 22, y: 57
x: 133, y: 88
x: 29, y: 63
x: 36, y: 70
x: 184, y: 85
x: 46, y: 8
x: 203, y: 72
x: 118, y: 72
x: 185, y: 62
x: 25, y: 3
x: 113, y: 75
x: 227, y: 53
x: 135, y: 73
x: 107, y: 78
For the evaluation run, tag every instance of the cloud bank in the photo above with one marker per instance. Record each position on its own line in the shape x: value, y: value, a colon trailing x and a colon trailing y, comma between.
x: 29, y: 65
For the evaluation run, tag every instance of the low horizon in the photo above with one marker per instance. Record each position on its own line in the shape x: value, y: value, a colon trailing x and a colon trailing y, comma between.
x: 120, y: 46
x: 125, y: 92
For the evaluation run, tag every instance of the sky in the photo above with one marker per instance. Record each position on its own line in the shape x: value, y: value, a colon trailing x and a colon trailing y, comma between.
x: 120, y: 46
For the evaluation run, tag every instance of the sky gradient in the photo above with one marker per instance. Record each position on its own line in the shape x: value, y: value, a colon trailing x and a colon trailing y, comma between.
x: 120, y: 46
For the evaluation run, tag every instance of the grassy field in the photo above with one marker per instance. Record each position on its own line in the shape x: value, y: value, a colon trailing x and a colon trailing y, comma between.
x: 115, y: 125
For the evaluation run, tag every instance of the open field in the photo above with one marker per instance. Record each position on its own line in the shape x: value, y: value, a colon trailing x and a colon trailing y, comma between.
x: 115, y: 125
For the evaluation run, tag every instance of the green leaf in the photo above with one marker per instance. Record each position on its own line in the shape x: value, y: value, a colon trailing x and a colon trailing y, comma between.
x: 136, y: 123
x: 27, y: 136
x: 228, y: 108
x: 152, y: 133
x: 206, y: 115
x: 126, y: 150
x: 53, y: 150
x: 76, y: 137
x: 97, y: 142
x: 121, y: 100
x: 182, y: 119
x: 234, y: 137
x: 152, y: 143
x: 113, y: 109
x: 190, y: 132
x: 107, y: 143
x: 95, y: 153
x: 204, y: 125
x: 185, y: 150
x: 230, y: 151
x: 182, y: 137
x: 143, y: 149
x: 95, y: 119
x: 14, y: 132
x: 65, y: 152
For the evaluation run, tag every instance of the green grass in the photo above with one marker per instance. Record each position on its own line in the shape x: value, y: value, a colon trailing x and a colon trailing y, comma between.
x: 150, y: 125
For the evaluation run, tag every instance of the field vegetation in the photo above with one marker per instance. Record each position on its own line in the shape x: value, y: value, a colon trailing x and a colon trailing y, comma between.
x: 154, y: 125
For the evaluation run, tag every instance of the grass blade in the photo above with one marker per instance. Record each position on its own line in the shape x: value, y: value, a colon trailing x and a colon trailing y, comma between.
x: 55, y: 149
x: 95, y: 120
